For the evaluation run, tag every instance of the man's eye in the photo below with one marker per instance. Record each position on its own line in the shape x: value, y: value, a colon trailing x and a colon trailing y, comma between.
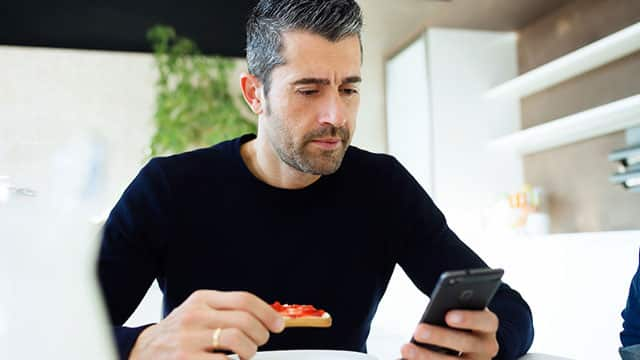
x: 349, y: 91
x: 307, y: 92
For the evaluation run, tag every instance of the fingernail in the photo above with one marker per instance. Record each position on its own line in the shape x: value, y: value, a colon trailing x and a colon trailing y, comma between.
x: 423, y: 335
x: 280, y: 324
x: 411, y: 352
x: 455, y: 318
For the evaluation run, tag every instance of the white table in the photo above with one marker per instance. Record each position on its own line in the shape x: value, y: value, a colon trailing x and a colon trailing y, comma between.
x: 534, y: 356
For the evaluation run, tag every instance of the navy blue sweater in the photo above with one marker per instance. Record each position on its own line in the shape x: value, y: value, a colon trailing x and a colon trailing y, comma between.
x: 630, y: 334
x: 201, y: 220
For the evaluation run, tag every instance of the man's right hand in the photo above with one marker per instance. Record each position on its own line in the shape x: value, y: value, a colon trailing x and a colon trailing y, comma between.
x: 187, y: 333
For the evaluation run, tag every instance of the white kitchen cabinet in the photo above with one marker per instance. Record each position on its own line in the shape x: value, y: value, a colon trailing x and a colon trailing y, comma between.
x: 440, y: 121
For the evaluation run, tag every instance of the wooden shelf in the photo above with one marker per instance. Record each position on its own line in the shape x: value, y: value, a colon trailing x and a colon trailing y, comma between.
x: 603, y: 51
x: 601, y: 120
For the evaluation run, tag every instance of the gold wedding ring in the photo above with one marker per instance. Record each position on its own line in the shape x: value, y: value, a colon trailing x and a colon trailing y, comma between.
x: 216, y: 338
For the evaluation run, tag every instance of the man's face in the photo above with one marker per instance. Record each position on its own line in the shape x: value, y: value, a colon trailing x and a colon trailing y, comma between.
x: 313, y: 101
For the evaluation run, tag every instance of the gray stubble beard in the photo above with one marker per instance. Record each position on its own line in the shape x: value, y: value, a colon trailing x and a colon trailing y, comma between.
x: 297, y: 158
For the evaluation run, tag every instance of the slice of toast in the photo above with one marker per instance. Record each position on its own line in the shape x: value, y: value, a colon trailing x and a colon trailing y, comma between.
x: 323, y: 321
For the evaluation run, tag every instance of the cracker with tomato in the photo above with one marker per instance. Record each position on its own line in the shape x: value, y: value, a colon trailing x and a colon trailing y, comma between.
x: 302, y: 315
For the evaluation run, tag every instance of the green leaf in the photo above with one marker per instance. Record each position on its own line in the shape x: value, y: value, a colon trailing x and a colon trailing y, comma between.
x: 194, y: 107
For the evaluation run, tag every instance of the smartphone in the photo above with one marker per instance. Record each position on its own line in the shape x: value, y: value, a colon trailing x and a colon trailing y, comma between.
x: 470, y: 289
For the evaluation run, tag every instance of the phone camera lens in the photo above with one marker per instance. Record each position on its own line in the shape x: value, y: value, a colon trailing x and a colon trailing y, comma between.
x: 466, y: 295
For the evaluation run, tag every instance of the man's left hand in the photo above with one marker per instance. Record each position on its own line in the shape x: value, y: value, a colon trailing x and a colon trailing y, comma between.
x: 478, y: 344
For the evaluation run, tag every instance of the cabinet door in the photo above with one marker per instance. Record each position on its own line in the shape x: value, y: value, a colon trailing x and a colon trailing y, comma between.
x: 409, y: 133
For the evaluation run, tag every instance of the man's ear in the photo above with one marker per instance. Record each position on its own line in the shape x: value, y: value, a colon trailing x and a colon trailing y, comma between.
x: 252, y: 92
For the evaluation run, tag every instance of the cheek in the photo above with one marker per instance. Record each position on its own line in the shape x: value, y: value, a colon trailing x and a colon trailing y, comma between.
x: 286, y: 106
x: 299, y: 115
x: 290, y: 119
x: 353, y: 106
x: 352, y: 111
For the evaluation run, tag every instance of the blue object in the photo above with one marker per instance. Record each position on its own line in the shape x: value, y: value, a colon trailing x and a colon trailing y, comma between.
x: 630, y: 334
x: 630, y: 352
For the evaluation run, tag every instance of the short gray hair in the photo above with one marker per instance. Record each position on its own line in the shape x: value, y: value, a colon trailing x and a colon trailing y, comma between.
x: 332, y: 19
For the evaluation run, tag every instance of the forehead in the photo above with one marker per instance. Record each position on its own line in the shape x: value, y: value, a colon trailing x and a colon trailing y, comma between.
x: 308, y: 54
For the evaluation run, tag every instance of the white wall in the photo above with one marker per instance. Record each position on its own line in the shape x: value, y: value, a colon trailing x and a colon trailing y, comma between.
x: 48, y: 95
x: 47, y: 98
x: 409, y: 113
x: 371, y: 125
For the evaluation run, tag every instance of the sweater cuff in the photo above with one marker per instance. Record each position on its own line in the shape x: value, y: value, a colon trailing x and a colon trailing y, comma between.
x: 125, y: 339
x: 515, y: 333
x: 513, y: 344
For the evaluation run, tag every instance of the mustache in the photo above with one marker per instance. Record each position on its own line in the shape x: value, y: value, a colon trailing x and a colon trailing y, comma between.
x: 328, y: 131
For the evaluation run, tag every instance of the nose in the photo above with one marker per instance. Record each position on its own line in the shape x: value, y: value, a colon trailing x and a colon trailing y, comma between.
x: 332, y: 111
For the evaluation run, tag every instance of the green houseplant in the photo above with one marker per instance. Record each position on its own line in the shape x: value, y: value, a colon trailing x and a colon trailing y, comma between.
x: 194, y: 107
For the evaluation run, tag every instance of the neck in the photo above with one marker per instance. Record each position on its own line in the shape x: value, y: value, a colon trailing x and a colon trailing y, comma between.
x: 264, y: 164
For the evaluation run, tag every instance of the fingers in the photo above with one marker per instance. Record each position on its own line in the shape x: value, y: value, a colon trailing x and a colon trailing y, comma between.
x: 480, y: 342
x: 449, y: 338
x: 190, y: 330
x: 243, y: 301
x: 482, y: 321
x: 233, y: 340
x: 244, y: 321
x: 414, y: 352
x: 203, y: 356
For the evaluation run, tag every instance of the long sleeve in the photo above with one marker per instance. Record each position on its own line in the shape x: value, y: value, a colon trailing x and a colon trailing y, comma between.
x: 130, y: 254
x: 630, y: 334
x: 429, y: 247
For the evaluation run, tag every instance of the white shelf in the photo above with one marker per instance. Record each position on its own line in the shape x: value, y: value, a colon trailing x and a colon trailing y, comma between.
x: 603, y: 51
x: 601, y: 120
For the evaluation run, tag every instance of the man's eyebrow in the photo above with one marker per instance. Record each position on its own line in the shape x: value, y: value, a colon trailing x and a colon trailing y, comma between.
x: 352, y: 79
x: 320, y: 81
x: 311, y: 81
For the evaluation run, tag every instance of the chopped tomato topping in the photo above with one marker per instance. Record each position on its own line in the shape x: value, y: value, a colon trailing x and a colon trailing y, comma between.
x: 296, y: 311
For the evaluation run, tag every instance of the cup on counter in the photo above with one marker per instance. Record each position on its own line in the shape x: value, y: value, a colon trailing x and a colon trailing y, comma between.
x: 538, y: 223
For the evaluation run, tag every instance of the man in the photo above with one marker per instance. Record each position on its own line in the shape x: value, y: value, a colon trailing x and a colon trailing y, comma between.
x: 294, y: 214
x: 630, y: 335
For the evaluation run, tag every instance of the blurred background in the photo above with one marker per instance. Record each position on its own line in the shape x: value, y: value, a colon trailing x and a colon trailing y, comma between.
x: 519, y: 117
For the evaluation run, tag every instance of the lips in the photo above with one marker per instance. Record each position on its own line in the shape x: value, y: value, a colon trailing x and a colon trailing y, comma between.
x: 327, y: 143
x: 327, y: 140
